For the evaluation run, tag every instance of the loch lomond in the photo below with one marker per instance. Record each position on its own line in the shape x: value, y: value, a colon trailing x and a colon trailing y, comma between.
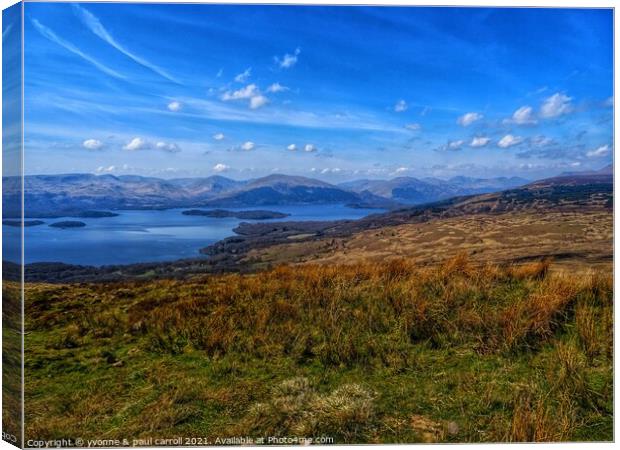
x: 138, y: 236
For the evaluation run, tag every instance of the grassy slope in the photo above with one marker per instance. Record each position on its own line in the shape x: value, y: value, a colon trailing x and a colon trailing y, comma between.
x: 363, y: 353
x: 574, y: 239
x: 11, y: 360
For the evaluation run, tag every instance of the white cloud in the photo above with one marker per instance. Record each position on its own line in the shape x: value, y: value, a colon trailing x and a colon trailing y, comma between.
x: 250, y: 92
x: 93, y: 23
x: 479, y: 141
x: 401, y: 106
x: 50, y: 35
x: 92, y: 144
x: 6, y: 31
x: 136, y: 144
x: 292, y: 147
x: 541, y: 141
x: 243, y: 76
x: 288, y: 61
x: 401, y: 170
x: 258, y: 101
x: 220, y: 111
x: 522, y: 116
x: 218, y: 136
x: 309, y: 148
x: 246, y: 92
x: 603, y: 150
x: 174, y: 106
x: 331, y: 170
x: 556, y: 105
x: 276, y: 87
x: 167, y: 147
x: 413, y: 126
x: 102, y: 169
x: 469, y: 118
x: 220, y: 168
x: 247, y: 146
x: 139, y: 143
x: 455, y: 145
x: 509, y: 140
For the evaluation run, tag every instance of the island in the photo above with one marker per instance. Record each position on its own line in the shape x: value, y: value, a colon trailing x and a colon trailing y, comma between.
x: 44, y: 213
x: 95, y: 214
x: 18, y: 223
x: 246, y: 215
x: 68, y: 224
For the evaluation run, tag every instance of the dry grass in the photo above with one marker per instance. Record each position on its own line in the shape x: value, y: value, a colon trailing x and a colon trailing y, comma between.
x: 356, y: 352
x: 573, y: 239
x: 295, y: 408
x: 281, y: 313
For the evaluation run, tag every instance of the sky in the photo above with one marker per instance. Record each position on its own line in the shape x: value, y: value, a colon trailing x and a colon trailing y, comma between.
x: 335, y: 93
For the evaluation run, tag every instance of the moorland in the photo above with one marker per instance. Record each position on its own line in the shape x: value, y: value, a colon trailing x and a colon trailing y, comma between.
x: 476, y: 318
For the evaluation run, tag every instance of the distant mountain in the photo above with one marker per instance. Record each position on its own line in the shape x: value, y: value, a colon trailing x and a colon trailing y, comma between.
x: 207, y: 186
x: 57, y: 195
x: 607, y: 170
x: 284, y: 189
x: 414, y: 191
x: 71, y: 194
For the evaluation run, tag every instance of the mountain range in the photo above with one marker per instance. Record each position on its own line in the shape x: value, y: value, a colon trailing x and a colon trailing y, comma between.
x: 413, y: 191
x: 62, y: 195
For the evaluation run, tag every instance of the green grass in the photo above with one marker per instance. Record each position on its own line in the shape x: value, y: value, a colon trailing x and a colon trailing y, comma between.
x: 11, y: 361
x: 369, y: 353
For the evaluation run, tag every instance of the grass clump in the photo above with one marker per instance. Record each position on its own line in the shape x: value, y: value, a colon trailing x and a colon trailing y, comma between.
x: 295, y: 408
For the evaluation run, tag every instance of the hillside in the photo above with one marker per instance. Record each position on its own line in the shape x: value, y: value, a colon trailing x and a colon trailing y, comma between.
x: 363, y: 353
x: 284, y: 189
x: 411, y: 190
x: 483, y: 318
x: 560, y: 203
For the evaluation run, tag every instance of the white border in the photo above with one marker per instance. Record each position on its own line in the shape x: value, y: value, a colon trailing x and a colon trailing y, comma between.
x: 472, y: 3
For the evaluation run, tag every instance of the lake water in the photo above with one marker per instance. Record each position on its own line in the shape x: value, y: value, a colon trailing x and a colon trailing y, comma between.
x: 146, y: 236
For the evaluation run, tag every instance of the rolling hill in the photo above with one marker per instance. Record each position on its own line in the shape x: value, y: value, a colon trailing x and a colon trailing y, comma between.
x: 284, y: 189
x: 411, y: 190
x: 573, y: 202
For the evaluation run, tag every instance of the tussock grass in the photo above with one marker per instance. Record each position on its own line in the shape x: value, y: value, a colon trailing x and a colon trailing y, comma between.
x: 363, y: 353
x: 295, y: 408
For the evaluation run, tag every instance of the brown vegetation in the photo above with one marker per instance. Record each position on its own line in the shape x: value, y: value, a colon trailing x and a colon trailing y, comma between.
x: 572, y: 239
x: 367, y: 352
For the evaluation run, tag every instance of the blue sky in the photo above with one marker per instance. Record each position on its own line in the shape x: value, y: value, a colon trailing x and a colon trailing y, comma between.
x: 331, y: 92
